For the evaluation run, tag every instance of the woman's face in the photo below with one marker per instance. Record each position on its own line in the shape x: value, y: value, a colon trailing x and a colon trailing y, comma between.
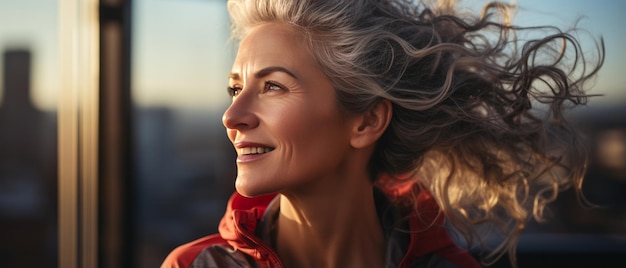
x: 284, y: 121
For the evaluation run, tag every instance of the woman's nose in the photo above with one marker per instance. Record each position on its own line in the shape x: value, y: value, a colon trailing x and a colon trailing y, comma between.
x: 239, y: 115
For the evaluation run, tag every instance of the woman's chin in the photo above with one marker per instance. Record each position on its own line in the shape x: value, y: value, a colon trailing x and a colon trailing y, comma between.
x: 248, y: 189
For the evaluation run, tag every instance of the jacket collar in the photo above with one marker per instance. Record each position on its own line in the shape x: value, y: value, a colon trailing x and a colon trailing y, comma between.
x: 238, y: 227
x: 247, y: 227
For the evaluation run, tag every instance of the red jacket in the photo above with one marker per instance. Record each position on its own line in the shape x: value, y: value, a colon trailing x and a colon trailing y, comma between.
x: 239, y: 245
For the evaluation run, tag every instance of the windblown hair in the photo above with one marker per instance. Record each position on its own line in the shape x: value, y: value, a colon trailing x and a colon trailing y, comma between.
x: 478, y: 112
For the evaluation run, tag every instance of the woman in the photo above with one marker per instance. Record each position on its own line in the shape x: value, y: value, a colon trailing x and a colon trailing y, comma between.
x: 360, y: 125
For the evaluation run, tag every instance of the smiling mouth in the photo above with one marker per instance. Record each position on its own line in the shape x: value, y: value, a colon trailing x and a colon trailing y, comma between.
x: 255, y: 150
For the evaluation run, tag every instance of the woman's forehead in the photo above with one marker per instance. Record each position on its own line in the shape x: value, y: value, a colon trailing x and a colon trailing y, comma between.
x: 272, y: 44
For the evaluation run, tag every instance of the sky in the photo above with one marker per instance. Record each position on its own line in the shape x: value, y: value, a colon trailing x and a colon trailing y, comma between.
x: 181, y: 56
x: 33, y: 24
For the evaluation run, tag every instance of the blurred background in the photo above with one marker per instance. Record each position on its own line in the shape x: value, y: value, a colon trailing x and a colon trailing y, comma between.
x: 165, y: 166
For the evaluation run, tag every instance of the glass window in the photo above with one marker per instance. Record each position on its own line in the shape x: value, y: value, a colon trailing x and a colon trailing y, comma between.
x: 28, y: 133
x: 184, y: 168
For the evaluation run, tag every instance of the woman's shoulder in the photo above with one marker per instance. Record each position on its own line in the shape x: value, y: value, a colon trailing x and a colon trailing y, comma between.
x: 208, y: 251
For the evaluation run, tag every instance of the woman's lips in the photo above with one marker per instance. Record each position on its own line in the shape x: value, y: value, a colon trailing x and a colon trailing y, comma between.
x: 250, y: 154
x: 248, y: 151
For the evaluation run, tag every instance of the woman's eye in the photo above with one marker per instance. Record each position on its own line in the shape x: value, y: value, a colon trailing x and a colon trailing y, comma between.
x: 234, y: 91
x: 272, y: 86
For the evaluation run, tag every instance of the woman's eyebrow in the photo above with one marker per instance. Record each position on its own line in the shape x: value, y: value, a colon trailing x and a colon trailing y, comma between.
x: 272, y: 69
x: 264, y: 72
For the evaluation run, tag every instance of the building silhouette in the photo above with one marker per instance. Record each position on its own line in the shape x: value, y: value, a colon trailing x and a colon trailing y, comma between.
x: 28, y: 170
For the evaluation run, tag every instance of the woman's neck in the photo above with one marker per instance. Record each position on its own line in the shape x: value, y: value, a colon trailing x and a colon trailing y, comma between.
x: 333, y: 228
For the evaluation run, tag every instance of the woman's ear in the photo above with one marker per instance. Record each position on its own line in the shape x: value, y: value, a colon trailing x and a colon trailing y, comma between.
x: 370, y: 125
